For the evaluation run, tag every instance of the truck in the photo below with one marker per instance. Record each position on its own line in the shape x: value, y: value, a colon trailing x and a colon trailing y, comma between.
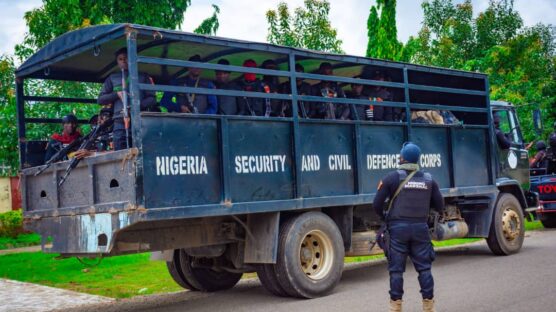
x: 288, y: 197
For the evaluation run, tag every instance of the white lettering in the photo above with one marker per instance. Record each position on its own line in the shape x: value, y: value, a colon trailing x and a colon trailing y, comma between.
x: 182, y: 165
x: 339, y: 162
x: 310, y: 163
x: 260, y: 164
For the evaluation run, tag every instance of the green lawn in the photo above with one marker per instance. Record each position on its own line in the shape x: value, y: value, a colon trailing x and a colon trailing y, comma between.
x: 117, y: 277
x: 122, y: 276
x: 22, y: 240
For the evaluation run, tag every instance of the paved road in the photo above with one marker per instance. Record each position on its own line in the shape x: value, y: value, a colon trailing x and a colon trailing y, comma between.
x: 467, y: 279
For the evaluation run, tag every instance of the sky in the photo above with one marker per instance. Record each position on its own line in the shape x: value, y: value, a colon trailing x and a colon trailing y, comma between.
x: 245, y: 19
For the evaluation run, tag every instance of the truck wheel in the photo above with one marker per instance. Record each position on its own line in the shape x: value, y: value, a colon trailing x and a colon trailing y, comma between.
x: 267, y: 276
x: 548, y: 221
x: 204, y: 278
x: 507, y: 229
x: 174, y: 268
x: 310, y: 255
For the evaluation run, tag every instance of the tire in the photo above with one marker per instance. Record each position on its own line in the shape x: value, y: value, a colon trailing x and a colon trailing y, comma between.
x: 174, y: 268
x: 310, y: 255
x: 205, y: 279
x: 267, y: 276
x: 548, y: 221
x: 507, y: 229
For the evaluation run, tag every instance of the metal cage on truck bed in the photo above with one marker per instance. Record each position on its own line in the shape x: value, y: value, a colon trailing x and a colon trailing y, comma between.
x: 193, y: 166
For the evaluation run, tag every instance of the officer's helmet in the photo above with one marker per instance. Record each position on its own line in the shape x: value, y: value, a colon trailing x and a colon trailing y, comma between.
x: 552, y: 140
x: 69, y: 118
x: 410, y: 152
x: 540, y: 146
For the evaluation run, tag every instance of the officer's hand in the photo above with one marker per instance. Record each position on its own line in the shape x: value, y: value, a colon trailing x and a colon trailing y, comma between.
x: 185, y: 109
x: 121, y: 95
x: 82, y: 153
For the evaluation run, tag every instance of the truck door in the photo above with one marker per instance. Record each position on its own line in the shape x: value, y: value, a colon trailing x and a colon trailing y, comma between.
x: 513, y: 162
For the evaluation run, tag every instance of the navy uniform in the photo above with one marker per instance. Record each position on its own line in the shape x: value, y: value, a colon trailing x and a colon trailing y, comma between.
x: 407, y: 224
x: 109, y: 98
x: 303, y: 88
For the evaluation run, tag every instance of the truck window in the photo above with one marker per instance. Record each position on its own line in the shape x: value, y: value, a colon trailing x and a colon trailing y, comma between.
x: 509, y: 125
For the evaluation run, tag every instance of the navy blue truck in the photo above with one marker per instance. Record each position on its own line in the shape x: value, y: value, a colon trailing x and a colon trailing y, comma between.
x: 284, y: 196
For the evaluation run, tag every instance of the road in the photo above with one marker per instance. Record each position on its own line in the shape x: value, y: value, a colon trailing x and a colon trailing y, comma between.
x: 468, y: 278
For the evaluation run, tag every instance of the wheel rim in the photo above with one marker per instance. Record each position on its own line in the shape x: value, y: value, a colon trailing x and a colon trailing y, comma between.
x: 316, y: 255
x: 511, y: 225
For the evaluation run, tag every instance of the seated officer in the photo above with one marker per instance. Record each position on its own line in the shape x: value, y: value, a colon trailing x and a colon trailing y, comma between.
x: 303, y: 88
x: 379, y: 94
x: 103, y: 142
x: 249, y: 82
x: 328, y: 89
x: 58, y: 141
x: 191, y: 102
x: 227, y: 105
x: 501, y: 138
x: 359, y: 112
x: 112, y: 95
x: 273, y: 108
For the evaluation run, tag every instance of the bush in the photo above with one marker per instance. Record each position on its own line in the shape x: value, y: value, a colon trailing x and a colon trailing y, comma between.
x: 11, y: 223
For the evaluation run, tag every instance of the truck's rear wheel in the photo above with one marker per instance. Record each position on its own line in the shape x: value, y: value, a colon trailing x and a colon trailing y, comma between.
x: 267, y: 276
x: 174, y: 268
x: 310, y: 255
x: 548, y: 221
x: 507, y: 229
x: 205, y: 278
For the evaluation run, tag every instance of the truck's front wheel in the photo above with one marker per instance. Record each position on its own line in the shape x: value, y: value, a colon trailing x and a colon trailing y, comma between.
x: 310, y: 255
x: 507, y: 229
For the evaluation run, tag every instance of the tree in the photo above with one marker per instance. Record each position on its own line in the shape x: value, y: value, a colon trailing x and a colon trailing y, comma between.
x: 210, y: 25
x: 309, y: 28
x: 520, y: 61
x: 382, y: 32
x: 8, y: 132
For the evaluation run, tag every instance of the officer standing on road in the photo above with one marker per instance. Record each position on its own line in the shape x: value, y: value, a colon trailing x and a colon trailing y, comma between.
x: 407, y: 223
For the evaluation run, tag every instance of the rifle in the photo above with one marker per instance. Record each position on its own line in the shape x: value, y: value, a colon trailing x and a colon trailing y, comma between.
x: 126, y: 112
x: 88, y: 141
x: 61, y: 154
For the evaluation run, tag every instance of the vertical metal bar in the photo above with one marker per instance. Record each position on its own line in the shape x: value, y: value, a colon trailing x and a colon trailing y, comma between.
x: 407, y: 111
x: 359, y: 166
x: 296, y: 129
x: 20, y: 111
x: 451, y: 145
x: 225, y: 160
x: 92, y: 181
x: 493, y: 168
x: 135, y: 94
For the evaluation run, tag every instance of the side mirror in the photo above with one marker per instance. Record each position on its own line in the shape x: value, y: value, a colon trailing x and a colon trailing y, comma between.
x: 537, y: 121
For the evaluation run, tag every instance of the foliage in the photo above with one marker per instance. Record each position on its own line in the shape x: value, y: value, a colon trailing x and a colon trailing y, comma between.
x: 21, y: 240
x: 56, y: 17
x: 210, y: 25
x: 520, y: 61
x: 382, y: 32
x: 309, y: 28
x: 11, y: 223
x: 8, y: 132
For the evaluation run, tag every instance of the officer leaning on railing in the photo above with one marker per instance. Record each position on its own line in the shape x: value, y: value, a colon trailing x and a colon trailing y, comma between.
x: 412, y: 193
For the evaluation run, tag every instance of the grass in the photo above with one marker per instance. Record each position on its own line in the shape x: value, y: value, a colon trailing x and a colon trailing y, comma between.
x: 123, y: 276
x: 22, y: 240
x: 116, y: 277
